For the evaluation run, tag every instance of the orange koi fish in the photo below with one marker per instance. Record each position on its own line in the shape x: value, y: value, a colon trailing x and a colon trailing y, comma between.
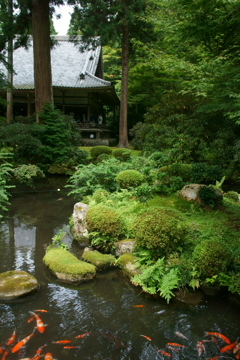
x: 23, y: 342
x: 31, y: 319
x: 172, y: 348
x: 12, y: 338
x: 228, y: 347
x: 146, y: 337
x: 215, y: 357
x: 41, y: 311
x: 48, y: 356
x: 200, y: 348
x: 83, y: 335
x: 236, y: 348
x: 180, y: 335
x: 40, y: 325
x: 221, y: 336
x: 175, y: 344
x: 164, y: 353
x: 237, y: 356
x: 1, y: 349
x: 38, y: 352
x: 138, y: 306
x: 61, y: 342
x: 5, y: 354
x: 70, y: 347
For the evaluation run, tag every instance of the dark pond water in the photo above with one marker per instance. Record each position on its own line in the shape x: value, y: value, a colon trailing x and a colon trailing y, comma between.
x: 102, y: 307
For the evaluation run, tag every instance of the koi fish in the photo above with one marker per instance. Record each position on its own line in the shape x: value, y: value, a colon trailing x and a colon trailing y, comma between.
x: 31, y: 319
x: 1, y: 349
x: 215, y: 357
x: 160, y: 312
x: 40, y: 325
x: 138, y: 306
x: 175, y: 344
x: 180, y: 335
x: 172, y: 348
x: 228, y: 347
x: 82, y: 335
x: 5, y: 354
x: 61, y: 342
x: 237, y: 356
x: 215, y: 341
x: 146, y: 337
x: 221, y: 336
x: 38, y: 352
x: 200, y: 348
x: 48, y: 356
x: 112, y: 338
x: 236, y: 348
x: 12, y: 338
x: 43, y: 311
x: 70, y: 347
x: 164, y: 353
x: 23, y: 342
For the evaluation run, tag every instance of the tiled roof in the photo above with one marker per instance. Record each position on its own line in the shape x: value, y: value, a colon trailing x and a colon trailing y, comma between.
x: 67, y: 65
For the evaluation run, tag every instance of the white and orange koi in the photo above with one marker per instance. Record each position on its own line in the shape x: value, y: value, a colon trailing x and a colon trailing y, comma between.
x: 181, y: 335
x: 48, y: 356
x: 23, y: 342
x: 200, y: 348
x: 40, y: 325
x: 12, y: 338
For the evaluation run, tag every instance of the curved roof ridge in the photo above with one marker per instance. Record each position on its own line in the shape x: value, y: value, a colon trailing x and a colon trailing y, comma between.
x: 99, y: 79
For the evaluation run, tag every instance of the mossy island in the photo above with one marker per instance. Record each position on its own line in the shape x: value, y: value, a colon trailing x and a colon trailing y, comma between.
x: 15, y: 284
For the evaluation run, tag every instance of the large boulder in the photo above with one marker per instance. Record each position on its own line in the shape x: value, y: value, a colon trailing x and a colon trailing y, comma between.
x: 101, y: 261
x: 16, y: 283
x: 66, y: 267
x: 127, y: 263
x: 124, y: 246
x: 79, y: 229
x: 190, y: 192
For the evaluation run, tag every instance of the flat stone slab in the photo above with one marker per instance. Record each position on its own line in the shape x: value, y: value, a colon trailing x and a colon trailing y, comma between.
x: 16, y: 283
x: 66, y: 267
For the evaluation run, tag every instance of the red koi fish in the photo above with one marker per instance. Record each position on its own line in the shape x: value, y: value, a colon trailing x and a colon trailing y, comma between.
x: 221, y: 336
x: 48, y: 356
x: 1, y: 349
x: 70, y: 347
x: 138, y: 306
x: 38, y: 352
x: 175, y: 344
x: 164, y: 353
x: 180, y: 335
x: 61, y: 342
x: 41, y: 311
x: 12, y: 338
x: 215, y: 357
x: 200, y: 348
x: 83, y: 335
x: 228, y: 347
x: 40, y: 325
x: 146, y: 337
x: 31, y: 319
x: 23, y: 342
x: 237, y: 356
x: 5, y: 354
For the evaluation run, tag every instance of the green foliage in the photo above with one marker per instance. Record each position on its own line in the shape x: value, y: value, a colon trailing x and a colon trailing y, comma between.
x: 129, y: 178
x: 202, y: 173
x: 211, y: 257
x: 231, y: 195
x: 156, y: 278
x: 122, y: 154
x: 143, y: 193
x: 57, y: 241
x: 102, y: 157
x: 98, y: 150
x: 105, y: 226
x: 209, y: 196
x: 27, y: 173
x: 5, y: 175
x: 161, y: 158
x: 100, y: 195
x: 162, y: 229
x: 136, y: 133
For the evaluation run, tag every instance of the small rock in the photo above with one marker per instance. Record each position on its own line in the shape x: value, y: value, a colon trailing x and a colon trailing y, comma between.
x: 16, y: 283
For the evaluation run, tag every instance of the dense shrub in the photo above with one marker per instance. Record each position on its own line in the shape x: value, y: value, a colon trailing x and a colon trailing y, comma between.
x: 102, y: 157
x: 161, y: 229
x: 177, y: 169
x: 98, y: 150
x: 161, y: 158
x: 100, y: 195
x: 202, y: 173
x: 211, y: 257
x: 231, y: 195
x: 210, y: 196
x: 122, y: 154
x: 105, y: 226
x: 129, y: 178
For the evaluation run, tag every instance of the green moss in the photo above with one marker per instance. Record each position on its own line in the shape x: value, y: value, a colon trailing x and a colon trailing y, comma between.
x: 129, y: 178
x: 101, y: 261
x: 62, y: 261
x: 124, y: 259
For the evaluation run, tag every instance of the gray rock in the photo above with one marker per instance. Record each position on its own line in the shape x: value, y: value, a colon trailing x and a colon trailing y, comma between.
x: 124, y: 246
x: 79, y: 229
x: 16, y: 283
x: 190, y: 192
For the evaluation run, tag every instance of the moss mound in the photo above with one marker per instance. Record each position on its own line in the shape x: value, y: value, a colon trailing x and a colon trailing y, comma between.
x: 129, y: 178
x: 122, y: 154
x: 101, y: 261
x: 16, y: 283
x: 98, y: 150
x: 67, y: 267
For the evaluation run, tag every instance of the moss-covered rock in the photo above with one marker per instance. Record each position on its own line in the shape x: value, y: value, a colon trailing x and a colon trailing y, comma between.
x: 66, y: 267
x: 124, y: 246
x: 127, y: 263
x: 101, y: 261
x: 16, y: 283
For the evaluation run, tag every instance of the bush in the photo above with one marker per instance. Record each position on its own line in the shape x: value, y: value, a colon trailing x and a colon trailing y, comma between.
x: 129, y: 178
x: 211, y: 257
x: 100, y: 195
x: 210, y: 196
x: 161, y: 229
x: 202, y: 173
x: 98, y: 150
x: 161, y: 158
x: 105, y: 226
x: 102, y: 157
x: 231, y: 195
x: 122, y: 154
x: 177, y: 169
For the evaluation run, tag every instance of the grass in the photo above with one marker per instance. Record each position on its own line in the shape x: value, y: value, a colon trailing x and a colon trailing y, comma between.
x: 88, y: 148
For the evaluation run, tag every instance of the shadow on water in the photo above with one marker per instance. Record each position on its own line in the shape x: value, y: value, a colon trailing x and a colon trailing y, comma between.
x: 103, y: 310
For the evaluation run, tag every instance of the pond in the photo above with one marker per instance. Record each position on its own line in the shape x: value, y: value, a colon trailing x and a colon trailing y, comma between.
x: 110, y: 313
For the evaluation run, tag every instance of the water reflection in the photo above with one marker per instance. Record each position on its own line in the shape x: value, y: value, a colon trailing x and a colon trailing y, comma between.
x: 105, y: 303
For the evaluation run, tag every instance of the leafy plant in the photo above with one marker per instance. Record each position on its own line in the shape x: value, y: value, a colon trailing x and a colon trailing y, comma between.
x: 26, y: 173
x: 5, y: 175
x: 57, y: 241
x: 209, y: 196
x: 232, y: 195
x: 143, y: 193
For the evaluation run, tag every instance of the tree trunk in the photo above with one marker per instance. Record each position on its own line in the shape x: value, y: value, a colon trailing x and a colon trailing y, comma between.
x: 42, y: 57
x: 123, y: 129
x: 10, y: 69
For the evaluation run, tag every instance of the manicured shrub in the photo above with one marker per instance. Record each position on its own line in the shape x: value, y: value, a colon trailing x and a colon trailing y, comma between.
x: 102, y: 157
x: 211, y: 257
x: 161, y: 229
x: 100, y: 195
x: 105, y: 226
x: 122, y: 154
x: 231, y: 195
x: 129, y: 178
x: 210, y: 196
x: 98, y: 150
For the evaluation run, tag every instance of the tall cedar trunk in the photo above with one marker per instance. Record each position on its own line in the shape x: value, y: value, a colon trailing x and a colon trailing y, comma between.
x: 42, y: 57
x: 10, y: 69
x: 123, y: 129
